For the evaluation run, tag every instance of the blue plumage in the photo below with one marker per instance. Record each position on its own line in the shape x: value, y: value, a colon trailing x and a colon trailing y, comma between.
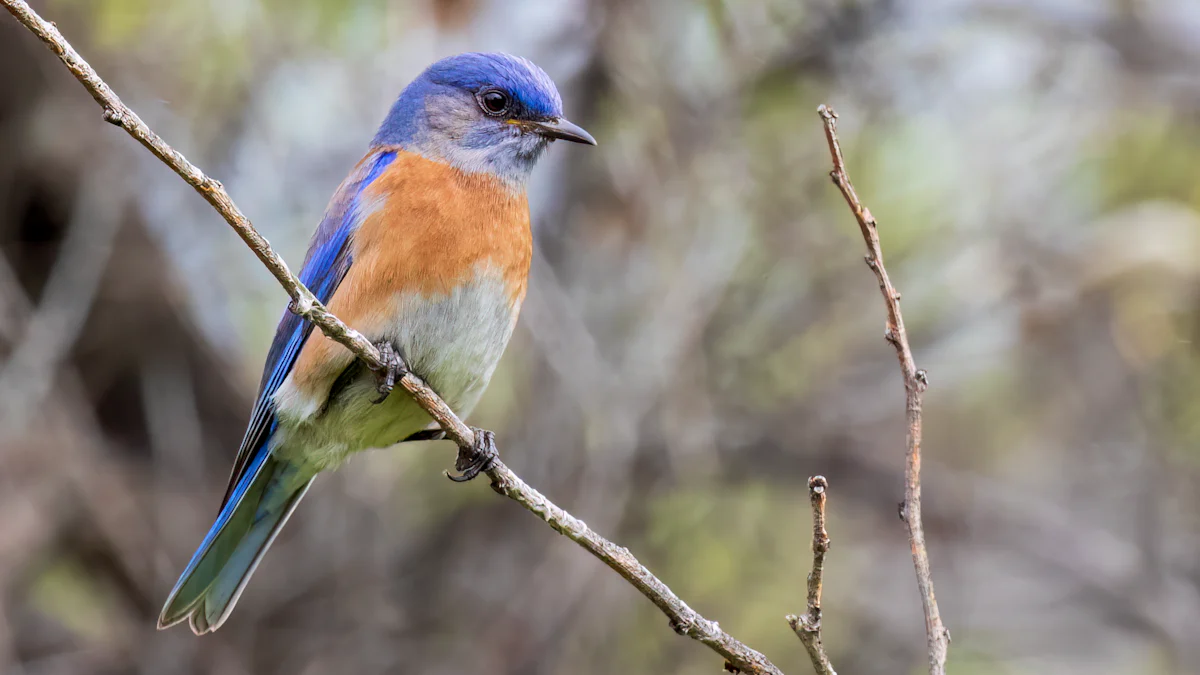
x: 325, y: 265
x: 438, y: 116
x: 463, y: 76
x: 256, y: 509
x: 530, y: 85
x: 488, y: 116
x: 263, y: 490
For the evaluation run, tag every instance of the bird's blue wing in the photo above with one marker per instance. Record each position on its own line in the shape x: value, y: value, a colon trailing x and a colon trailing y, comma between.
x: 324, y: 267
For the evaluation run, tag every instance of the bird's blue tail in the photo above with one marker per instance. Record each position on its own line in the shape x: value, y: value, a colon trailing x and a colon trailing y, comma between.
x: 209, y: 588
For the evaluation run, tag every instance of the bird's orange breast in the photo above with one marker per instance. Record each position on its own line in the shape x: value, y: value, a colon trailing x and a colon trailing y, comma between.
x: 432, y: 227
x: 429, y: 229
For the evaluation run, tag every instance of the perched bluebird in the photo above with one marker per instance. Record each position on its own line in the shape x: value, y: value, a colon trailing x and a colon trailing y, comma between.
x: 424, y: 249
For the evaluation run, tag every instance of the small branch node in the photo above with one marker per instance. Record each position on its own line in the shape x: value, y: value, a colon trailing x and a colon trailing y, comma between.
x: 302, y: 305
x: 817, y: 484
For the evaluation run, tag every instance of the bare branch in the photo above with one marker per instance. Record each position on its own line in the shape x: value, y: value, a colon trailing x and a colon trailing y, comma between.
x: 808, y: 625
x: 915, y: 382
x: 683, y: 619
x: 304, y: 302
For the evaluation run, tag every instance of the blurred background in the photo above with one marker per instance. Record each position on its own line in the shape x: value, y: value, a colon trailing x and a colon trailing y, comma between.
x: 700, y: 336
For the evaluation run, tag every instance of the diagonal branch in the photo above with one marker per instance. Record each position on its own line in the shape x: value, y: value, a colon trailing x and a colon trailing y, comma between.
x: 808, y: 625
x: 915, y: 382
x: 683, y: 619
x: 304, y: 302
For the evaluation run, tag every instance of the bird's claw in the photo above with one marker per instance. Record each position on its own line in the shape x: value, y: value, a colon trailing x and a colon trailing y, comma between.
x: 477, y: 459
x: 393, y: 369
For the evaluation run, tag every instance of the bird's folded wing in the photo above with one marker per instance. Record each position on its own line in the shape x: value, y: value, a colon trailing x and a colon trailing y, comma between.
x: 325, y: 266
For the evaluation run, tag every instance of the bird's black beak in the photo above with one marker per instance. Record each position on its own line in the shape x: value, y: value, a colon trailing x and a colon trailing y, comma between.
x: 562, y: 129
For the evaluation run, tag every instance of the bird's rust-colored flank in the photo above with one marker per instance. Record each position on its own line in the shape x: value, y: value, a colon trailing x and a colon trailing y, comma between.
x: 430, y: 229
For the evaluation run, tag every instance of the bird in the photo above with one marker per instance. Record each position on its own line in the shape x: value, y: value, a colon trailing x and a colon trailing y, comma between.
x: 425, y: 249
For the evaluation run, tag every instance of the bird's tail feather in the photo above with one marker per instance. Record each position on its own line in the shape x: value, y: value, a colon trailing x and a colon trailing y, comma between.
x: 209, y: 588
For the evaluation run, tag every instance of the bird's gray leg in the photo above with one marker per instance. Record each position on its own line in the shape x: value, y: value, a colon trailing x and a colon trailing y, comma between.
x: 394, y: 369
x: 478, y: 458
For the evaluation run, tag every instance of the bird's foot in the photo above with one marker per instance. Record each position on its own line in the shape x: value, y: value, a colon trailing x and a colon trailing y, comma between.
x: 476, y: 459
x: 393, y: 369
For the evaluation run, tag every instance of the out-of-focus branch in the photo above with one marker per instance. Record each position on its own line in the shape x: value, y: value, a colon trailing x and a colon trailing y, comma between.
x: 304, y: 302
x: 683, y: 619
x: 29, y: 374
x: 808, y: 625
x: 915, y: 382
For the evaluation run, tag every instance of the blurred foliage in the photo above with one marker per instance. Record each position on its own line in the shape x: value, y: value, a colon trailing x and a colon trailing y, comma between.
x: 700, y: 336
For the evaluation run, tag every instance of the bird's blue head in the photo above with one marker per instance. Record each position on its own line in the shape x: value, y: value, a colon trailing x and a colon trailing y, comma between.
x: 482, y: 113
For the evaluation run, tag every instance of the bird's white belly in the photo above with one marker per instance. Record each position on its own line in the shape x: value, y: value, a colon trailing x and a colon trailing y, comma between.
x: 453, y: 342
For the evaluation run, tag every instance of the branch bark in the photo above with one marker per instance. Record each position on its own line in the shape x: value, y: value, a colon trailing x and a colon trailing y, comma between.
x: 915, y: 381
x: 808, y: 625
x: 683, y: 619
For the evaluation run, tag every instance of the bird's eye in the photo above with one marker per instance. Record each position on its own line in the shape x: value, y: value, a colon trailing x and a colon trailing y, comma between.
x: 494, y: 102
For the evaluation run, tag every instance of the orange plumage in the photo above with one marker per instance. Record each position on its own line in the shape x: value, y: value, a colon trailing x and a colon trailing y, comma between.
x: 433, y: 225
x: 425, y: 249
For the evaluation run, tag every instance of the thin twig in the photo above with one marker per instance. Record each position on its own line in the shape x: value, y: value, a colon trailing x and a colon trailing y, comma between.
x: 915, y: 382
x: 808, y: 625
x: 685, y: 620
